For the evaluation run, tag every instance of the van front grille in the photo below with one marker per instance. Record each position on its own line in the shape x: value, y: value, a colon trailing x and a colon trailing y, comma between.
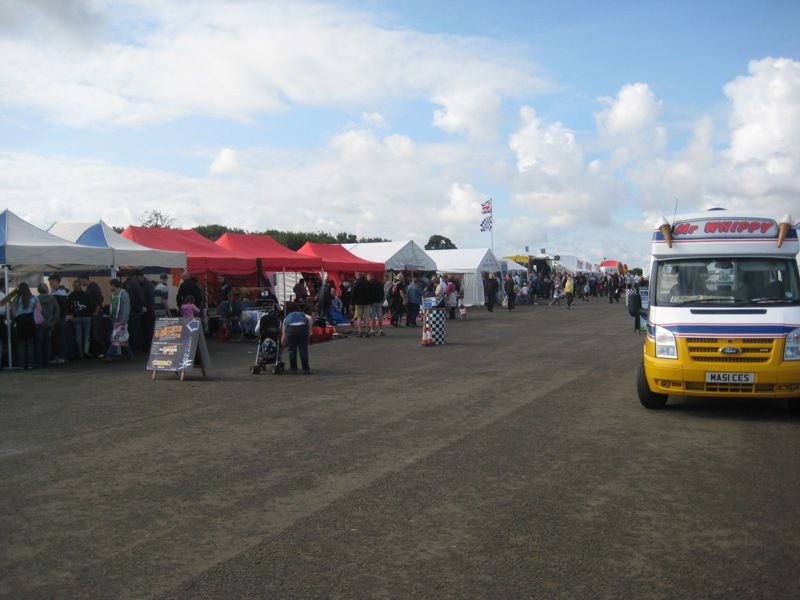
x: 750, y: 350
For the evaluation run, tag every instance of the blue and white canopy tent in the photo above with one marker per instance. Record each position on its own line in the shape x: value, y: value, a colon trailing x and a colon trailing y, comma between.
x: 26, y: 248
x: 125, y: 252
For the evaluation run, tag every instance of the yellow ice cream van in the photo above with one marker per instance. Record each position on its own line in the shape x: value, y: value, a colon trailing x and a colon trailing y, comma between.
x: 724, y: 312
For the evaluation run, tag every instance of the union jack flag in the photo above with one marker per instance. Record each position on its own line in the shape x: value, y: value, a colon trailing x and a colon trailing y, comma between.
x: 486, y: 207
x: 486, y: 224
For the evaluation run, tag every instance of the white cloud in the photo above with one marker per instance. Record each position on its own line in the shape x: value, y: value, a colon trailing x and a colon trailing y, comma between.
x: 553, y: 182
x: 239, y: 59
x: 225, y: 163
x: 765, y: 115
x: 374, y: 119
x: 633, y: 110
x: 758, y: 170
x: 463, y: 205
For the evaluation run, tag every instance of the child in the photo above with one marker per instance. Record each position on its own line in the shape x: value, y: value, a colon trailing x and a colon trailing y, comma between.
x: 462, y: 312
x: 188, y: 309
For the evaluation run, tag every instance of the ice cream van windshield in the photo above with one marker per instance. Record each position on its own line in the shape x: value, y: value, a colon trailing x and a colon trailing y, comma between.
x: 726, y: 281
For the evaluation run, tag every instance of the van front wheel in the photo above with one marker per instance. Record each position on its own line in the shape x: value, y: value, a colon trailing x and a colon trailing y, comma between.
x: 647, y: 397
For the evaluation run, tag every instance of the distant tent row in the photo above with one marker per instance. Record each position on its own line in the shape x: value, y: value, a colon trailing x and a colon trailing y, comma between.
x: 97, y: 246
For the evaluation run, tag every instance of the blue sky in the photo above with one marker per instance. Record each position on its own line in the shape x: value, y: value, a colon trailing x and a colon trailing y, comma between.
x: 582, y: 120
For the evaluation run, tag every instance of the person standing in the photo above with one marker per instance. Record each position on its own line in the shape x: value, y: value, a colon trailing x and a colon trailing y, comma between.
x: 376, y: 296
x: 44, y: 331
x: 492, y: 287
x: 511, y: 294
x: 24, y: 306
x: 361, y: 302
x: 120, y: 314
x: 451, y: 298
x: 569, y: 290
x: 161, y: 297
x: 556, y: 291
x: 137, y: 308
x: 149, y: 310
x: 80, y: 313
x: 98, y: 343
x: 324, y: 300
x: 345, y: 296
x: 295, y: 336
x: 189, y: 310
x: 190, y: 287
x: 414, y: 298
x: 300, y: 291
x: 3, y: 313
x: 60, y: 346
x: 398, y: 299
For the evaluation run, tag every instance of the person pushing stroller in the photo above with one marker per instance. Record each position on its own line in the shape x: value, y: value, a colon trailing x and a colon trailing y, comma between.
x: 296, y: 335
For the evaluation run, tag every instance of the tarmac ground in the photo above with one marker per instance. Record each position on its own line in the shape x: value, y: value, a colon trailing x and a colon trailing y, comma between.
x: 513, y: 462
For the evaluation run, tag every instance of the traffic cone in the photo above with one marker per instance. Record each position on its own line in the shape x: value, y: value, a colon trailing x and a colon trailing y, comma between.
x: 427, y: 336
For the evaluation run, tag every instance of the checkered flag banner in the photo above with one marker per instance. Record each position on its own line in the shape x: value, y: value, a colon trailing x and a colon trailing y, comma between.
x: 486, y: 207
x: 486, y: 224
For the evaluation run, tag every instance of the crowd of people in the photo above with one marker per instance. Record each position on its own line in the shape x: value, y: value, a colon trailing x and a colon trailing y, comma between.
x: 51, y: 319
x: 53, y: 325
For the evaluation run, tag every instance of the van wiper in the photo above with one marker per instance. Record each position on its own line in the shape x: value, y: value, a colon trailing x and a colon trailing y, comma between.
x: 775, y: 300
x: 715, y: 300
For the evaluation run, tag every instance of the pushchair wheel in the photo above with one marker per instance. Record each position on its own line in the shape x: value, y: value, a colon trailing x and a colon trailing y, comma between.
x: 255, y: 370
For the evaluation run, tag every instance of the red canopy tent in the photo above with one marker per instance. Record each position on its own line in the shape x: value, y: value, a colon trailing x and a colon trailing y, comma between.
x: 202, y: 255
x: 337, y: 259
x: 274, y: 256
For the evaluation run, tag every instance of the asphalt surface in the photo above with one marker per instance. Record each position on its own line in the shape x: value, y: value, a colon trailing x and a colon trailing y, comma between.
x: 514, y: 462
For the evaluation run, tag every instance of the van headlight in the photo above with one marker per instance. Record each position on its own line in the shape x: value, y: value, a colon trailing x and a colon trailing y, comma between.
x: 791, y: 350
x: 665, y: 344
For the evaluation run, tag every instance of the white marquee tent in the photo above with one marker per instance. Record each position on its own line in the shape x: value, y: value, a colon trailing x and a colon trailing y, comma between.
x: 125, y: 252
x: 512, y: 266
x: 472, y: 263
x: 397, y: 256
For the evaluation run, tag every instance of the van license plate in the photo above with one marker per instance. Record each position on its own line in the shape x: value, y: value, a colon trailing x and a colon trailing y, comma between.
x: 713, y: 377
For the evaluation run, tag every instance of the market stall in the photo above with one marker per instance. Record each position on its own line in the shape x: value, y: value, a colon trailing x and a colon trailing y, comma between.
x: 395, y: 256
x: 24, y: 248
x: 471, y: 265
x: 338, y: 262
x: 272, y: 257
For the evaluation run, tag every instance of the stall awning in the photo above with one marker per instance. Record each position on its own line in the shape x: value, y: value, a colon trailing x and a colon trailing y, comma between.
x: 201, y: 254
x: 274, y: 256
x: 23, y: 246
x: 336, y: 258
x: 125, y: 252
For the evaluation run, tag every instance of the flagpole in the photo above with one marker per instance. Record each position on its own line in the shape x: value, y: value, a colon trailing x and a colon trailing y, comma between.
x: 491, y: 229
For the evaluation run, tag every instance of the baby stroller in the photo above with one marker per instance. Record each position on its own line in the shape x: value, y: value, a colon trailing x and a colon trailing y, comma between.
x: 269, y: 344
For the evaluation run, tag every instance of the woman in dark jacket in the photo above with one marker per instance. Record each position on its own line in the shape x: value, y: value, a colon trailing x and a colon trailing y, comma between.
x: 24, y: 307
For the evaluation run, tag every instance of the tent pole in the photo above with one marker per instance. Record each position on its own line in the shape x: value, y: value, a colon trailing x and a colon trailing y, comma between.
x: 8, y: 317
x: 284, y: 289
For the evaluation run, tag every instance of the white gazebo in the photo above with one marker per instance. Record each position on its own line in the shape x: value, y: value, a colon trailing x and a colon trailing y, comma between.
x: 472, y: 263
x: 397, y: 256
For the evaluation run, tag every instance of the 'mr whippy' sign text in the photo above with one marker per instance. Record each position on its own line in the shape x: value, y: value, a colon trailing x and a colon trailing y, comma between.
x: 725, y: 228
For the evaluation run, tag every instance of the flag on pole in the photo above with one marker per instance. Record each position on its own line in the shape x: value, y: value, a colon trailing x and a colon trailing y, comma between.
x: 486, y: 207
x: 486, y: 224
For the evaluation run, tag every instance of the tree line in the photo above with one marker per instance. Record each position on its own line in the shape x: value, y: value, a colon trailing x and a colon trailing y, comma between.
x: 293, y: 240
